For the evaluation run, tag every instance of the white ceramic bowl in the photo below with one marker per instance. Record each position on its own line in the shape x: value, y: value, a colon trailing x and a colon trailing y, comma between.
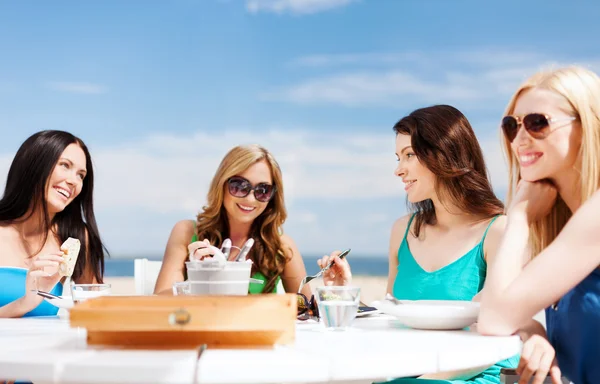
x: 431, y: 314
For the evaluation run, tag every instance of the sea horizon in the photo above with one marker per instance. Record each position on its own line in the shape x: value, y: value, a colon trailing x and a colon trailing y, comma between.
x: 366, y: 265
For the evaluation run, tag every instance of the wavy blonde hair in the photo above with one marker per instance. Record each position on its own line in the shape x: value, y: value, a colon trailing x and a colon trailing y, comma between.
x: 580, y: 87
x: 267, y: 253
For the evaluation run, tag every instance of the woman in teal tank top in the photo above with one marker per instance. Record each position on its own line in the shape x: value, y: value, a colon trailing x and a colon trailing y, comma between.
x: 47, y: 199
x: 245, y: 200
x: 441, y: 250
x: 462, y: 279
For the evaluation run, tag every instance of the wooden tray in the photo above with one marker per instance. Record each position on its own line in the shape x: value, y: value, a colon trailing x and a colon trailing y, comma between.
x: 175, y: 322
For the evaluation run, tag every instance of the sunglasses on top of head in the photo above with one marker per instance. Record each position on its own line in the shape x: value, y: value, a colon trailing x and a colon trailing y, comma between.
x: 241, y: 187
x: 536, y: 124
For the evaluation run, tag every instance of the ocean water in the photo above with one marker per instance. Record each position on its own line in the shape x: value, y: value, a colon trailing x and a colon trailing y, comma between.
x: 361, y: 265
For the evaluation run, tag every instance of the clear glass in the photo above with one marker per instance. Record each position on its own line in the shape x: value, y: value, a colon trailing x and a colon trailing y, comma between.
x: 338, y: 306
x: 82, y: 292
x: 181, y: 288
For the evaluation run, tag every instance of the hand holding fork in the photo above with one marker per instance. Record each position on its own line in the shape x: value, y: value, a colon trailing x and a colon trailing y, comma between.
x: 334, y: 269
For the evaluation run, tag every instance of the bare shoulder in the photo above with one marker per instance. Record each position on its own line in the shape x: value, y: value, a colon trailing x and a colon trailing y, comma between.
x: 183, y: 229
x: 398, y: 231
x: 7, y: 231
x: 497, y: 228
x: 494, y: 234
x: 289, y: 245
x: 400, y: 225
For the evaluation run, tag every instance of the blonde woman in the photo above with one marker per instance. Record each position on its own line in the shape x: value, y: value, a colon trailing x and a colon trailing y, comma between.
x: 245, y: 201
x: 552, y: 137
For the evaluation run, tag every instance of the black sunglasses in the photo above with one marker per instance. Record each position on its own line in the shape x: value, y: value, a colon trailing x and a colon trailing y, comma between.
x: 307, y: 309
x: 241, y: 187
x: 536, y: 124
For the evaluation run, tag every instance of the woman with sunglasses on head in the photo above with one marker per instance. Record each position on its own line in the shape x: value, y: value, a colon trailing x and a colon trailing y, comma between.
x: 440, y: 251
x: 552, y: 137
x: 48, y: 198
x: 245, y: 201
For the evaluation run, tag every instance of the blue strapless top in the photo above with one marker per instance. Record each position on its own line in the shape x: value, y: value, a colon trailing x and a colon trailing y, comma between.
x: 574, y: 330
x: 13, y: 288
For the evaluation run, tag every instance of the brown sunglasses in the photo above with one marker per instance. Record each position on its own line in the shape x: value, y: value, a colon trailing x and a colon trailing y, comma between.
x: 537, y: 125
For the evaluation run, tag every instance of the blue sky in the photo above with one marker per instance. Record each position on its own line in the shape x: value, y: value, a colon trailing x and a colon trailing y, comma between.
x: 160, y: 90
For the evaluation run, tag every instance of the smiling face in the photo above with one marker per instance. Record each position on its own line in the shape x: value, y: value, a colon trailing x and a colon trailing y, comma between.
x: 247, y: 209
x: 419, y: 181
x: 66, y: 180
x: 557, y: 153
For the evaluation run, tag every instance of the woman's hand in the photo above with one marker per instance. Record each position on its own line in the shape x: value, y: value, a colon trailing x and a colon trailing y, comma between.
x: 537, y: 359
x: 42, y: 276
x: 199, y: 250
x: 533, y: 199
x: 339, y: 273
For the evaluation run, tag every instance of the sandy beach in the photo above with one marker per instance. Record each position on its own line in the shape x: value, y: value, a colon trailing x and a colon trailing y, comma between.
x: 372, y: 287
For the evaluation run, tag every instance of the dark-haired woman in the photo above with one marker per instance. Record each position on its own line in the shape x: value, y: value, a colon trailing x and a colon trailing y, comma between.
x: 48, y: 198
x: 440, y: 251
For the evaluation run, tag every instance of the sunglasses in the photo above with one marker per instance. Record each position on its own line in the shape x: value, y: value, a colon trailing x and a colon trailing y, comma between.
x: 307, y: 309
x: 537, y: 125
x: 240, y: 187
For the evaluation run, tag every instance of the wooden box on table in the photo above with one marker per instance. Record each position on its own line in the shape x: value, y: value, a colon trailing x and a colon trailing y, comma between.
x: 178, y: 322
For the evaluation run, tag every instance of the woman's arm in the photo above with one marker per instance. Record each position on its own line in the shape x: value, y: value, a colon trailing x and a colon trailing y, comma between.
x: 294, y: 270
x: 36, y: 279
x: 18, y: 308
x: 396, y: 236
x: 176, y: 253
x: 513, y: 295
x: 492, y: 243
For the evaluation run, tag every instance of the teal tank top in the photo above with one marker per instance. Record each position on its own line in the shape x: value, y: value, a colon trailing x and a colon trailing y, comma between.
x: 13, y: 288
x: 460, y: 280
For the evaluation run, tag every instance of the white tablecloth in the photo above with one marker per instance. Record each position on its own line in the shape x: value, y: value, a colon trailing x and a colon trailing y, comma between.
x: 376, y: 348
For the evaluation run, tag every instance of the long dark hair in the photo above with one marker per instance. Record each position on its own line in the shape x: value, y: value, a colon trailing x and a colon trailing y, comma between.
x: 443, y: 140
x: 25, y: 195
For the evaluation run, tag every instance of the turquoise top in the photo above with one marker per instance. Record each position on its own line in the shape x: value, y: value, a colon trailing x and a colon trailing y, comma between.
x: 460, y: 280
x: 574, y: 331
x: 13, y: 288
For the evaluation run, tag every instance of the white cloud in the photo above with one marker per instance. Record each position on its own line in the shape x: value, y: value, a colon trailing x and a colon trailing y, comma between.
x: 393, y: 79
x: 5, y: 161
x: 78, y: 88
x: 356, y: 59
x: 486, y: 56
x: 388, y: 89
x: 340, y: 189
x: 295, y: 6
x: 170, y: 173
x: 495, y: 160
x: 167, y: 174
x: 306, y: 217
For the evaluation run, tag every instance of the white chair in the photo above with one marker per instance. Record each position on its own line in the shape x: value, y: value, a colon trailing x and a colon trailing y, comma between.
x: 145, y: 273
x: 279, y: 288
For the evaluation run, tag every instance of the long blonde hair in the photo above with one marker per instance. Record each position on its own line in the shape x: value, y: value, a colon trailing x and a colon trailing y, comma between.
x: 267, y: 253
x: 580, y: 87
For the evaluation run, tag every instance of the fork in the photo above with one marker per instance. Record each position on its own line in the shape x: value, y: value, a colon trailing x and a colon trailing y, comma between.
x: 308, y: 279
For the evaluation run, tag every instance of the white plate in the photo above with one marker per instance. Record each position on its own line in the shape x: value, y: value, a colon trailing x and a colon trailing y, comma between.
x: 368, y: 313
x: 431, y: 314
x: 66, y: 302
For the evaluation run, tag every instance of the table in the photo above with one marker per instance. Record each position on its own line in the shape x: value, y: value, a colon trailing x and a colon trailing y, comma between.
x: 49, y: 351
